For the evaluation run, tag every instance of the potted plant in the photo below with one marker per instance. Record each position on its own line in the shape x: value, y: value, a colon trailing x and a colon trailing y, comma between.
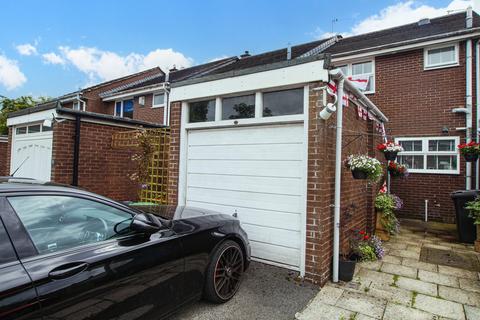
x: 390, y: 150
x: 346, y: 266
x: 397, y: 170
x: 387, y: 223
x: 364, y: 167
x: 366, y: 247
x: 469, y: 151
x: 474, y: 208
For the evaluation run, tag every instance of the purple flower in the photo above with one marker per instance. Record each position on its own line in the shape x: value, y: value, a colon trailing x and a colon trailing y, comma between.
x: 377, y: 246
x: 398, y: 202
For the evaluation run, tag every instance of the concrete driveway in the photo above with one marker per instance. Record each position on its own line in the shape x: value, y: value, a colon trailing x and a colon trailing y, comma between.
x: 267, y: 292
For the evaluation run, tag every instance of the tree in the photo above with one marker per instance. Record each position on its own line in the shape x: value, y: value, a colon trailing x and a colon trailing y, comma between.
x: 8, y: 105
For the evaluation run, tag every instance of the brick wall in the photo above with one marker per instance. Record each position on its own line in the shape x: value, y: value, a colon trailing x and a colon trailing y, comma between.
x: 102, y: 169
x: 419, y: 102
x: 142, y: 113
x: 174, y: 157
x: 4, y: 158
x: 357, y: 195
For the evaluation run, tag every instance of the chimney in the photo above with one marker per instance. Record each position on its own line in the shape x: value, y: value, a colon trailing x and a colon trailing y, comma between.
x: 289, y: 52
x: 246, y: 54
x: 469, y: 18
x: 173, y: 69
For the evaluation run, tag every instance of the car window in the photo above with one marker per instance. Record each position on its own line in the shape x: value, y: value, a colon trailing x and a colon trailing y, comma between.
x: 61, y: 222
x: 7, y: 254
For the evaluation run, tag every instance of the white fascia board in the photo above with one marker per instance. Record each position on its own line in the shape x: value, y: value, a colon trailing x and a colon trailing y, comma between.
x: 32, y: 117
x: 135, y: 93
x: 353, y: 56
x: 297, y: 74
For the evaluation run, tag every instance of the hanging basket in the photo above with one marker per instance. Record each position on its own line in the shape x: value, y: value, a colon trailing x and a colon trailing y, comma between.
x: 359, y: 174
x: 470, y: 157
x: 390, y: 155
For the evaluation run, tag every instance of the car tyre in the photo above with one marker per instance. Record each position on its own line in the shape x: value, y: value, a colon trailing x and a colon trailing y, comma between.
x: 224, y: 272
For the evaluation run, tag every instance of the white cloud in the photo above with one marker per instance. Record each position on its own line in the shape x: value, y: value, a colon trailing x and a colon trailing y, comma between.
x: 10, y: 75
x: 52, y: 58
x: 26, y: 49
x: 100, y: 65
x: 398, y: 14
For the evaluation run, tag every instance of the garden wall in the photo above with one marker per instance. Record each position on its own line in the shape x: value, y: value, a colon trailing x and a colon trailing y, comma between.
x: 4, y: 156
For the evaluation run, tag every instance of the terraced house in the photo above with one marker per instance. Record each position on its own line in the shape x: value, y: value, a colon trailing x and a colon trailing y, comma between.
x: 247, y: 139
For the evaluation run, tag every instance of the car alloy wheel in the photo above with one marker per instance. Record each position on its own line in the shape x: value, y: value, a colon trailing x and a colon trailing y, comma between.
x: 228, y: 272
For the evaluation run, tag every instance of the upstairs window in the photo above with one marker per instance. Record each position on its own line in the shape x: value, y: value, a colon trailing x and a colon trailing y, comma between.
x: 238, y: 107
x: 441, y: 57
x: 430, y: 155
x: 158, y: 100
x: 124, y: 109
x: 363, y: 73
x: 76, y: 105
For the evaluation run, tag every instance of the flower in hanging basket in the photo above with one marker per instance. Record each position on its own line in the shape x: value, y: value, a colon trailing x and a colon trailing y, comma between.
x: 364, y: 167
x: 469, y: 150
x: 397, y: 170
x: 390, y: 149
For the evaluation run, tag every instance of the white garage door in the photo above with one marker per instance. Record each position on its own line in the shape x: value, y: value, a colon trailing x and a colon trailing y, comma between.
x: 257, y: 172
x: 33, y: 148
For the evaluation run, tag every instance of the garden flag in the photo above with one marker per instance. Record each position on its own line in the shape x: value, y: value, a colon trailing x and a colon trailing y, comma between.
x: 360, y: 81
x: 332, y: 89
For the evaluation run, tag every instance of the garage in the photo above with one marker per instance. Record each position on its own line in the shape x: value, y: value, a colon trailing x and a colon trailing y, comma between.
x: 257, y: 172
x: 32, y: 151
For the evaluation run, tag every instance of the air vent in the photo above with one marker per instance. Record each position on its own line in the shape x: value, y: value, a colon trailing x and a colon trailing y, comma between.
x: 424, y: 22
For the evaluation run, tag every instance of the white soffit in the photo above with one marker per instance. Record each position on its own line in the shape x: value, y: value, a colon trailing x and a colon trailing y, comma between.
x: 32, y: 117
x: 296, y: 74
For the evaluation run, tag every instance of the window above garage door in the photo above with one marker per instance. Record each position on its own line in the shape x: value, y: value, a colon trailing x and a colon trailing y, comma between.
x: 281, y: 105
x: 31, y: 129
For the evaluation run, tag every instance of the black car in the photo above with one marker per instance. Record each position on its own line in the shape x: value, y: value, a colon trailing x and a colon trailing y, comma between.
x: 69, y: 254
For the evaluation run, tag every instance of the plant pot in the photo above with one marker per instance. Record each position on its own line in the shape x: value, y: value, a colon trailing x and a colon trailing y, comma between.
x: 470, y: 157
x: 359, y: 174
x: 346, y: 269
x: 380, y: 230
x: 390, y: 155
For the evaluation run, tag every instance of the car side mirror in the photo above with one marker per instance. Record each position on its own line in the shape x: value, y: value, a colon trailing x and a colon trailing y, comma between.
x: 145, y: 223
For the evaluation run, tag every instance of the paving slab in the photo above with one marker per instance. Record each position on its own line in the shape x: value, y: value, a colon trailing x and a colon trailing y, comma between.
x: 457, y: 272
x: 399, y: 312
x: 470, y: 285
x: 390, y: 293
x: 438, y: 278
x: 362, y: 303
x: 417, y: 285
x: 392, y: 259
x: 399, y: 270
x: 459, y: 295
x: 420, y: 265
x: 322, y: 311
x: 375, y: 276
x: 328, y: 295
x: 372, y: 265
x: 439, y: 307
x: 405, y: 254
x: 472, y: 313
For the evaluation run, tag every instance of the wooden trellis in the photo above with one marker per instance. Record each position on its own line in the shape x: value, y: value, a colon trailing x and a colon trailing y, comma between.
x: 155, y: 190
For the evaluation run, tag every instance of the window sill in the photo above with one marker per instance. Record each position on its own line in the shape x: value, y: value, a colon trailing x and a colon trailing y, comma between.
x: 442, y: 172
x: 158, y: 106
x: 443, y: 66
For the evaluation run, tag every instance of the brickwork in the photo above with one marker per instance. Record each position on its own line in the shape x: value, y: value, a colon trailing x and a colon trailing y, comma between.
x: 4, y: 158
x: 174, y: 161
x: 418, y: 102
x: 102, y: 169
x: 140, y: 112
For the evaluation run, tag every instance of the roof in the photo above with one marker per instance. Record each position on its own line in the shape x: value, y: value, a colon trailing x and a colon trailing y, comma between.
x: 437, y: 28
x: 52, y: 104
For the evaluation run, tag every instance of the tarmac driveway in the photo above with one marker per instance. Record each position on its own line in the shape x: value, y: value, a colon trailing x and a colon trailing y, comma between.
x: 267, y: 292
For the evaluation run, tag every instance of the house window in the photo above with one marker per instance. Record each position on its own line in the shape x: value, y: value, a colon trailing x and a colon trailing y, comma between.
x: 158, y: 100
x: 285, y: 102
x: 201, y: 111
x: 76, y: 105
x: 238, y: 107
x: 441, y: 57
x: 21, y: 130
x: 364, y: 71
x: 430, y: 155
x: 124, y: 109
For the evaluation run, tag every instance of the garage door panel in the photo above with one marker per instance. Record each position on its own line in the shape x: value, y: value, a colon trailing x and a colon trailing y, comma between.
x: 276, y: 254
x: 35, y: 152
x: 278, y: 168
x: 279, y: 237
x: 290, y: 186
x: 273, y: 202
x: 266, y: 218
x: 247, y: 152
x: 247, y: 135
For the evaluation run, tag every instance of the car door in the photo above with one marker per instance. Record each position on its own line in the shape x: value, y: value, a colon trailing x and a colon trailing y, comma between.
x: 18, y: 299
x: 85, y: 269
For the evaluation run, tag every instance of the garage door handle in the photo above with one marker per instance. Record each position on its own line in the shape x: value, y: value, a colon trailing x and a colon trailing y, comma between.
x: 68, y: 270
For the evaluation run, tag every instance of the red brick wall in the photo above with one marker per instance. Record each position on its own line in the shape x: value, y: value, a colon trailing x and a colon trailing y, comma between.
x: 174, y: 157
x: 102, y: 169
x: 142, y: 113
x: 4, y: 158
x: 357, y: 196
x: 419, y: 103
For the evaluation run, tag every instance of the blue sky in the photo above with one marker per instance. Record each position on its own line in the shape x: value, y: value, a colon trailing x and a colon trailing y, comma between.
x: 53, y: 47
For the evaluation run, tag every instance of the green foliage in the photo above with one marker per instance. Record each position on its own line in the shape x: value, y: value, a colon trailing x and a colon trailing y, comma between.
x: 474, y: 208
x: 12, y: 105
x: 384, y: 202
x: 367, y: 252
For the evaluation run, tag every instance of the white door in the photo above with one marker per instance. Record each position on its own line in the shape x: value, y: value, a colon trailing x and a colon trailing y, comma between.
x: 32, y: 153
x: 257, y: 172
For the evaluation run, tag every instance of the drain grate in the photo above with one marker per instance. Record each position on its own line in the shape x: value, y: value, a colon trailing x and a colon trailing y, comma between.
x: 450, y: 258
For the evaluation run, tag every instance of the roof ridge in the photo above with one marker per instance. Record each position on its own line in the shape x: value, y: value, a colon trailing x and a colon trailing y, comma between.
x: 123, y: 78
x: 319, y: 49
x: 214, y: 67
x: 130, y: 84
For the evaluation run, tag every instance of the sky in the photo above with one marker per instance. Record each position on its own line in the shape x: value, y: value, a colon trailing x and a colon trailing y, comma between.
x: 53, y: 47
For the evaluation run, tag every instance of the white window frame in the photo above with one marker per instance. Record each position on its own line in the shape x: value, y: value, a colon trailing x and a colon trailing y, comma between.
x: 121, y: 109
x: 153, y: 100
x: 426, y: 153
x: 78, y: 104
x: 349, y: 65
x: 257, y: 119
x: 455, y: 63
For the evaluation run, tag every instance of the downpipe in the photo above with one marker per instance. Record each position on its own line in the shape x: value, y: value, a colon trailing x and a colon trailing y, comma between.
x: 468, y: 102
x: 477, y: 103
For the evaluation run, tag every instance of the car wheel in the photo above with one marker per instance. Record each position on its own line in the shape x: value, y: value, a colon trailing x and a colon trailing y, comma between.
x: 224, y: 272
